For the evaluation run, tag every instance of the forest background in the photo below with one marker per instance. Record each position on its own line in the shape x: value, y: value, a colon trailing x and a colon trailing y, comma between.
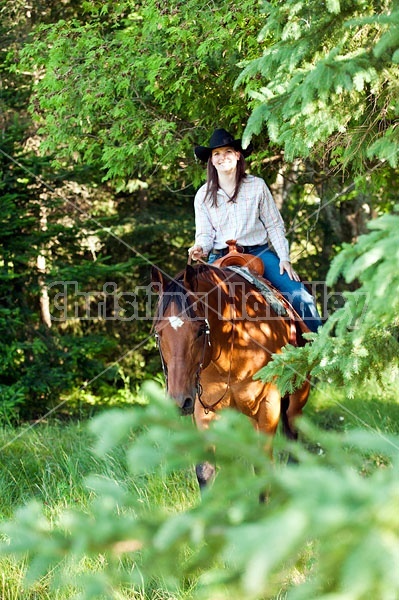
x: 101, y: 104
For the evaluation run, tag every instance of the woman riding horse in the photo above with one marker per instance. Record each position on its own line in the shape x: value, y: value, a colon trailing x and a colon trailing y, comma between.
x: 233, y: 205
x: 215, y: 330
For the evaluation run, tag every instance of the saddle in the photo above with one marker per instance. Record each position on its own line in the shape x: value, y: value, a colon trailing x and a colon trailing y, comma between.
x: 236, y: 258
x: 251, y: 268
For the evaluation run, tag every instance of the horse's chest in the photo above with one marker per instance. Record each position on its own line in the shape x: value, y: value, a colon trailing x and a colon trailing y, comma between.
x: 220, y: 386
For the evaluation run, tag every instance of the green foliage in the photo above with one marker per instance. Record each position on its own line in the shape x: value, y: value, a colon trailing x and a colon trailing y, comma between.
x: 338, y: 526
x: 374, y: 407
x: 327, y: 80
x: 121, y: 92
x: 92, y: 242
x: 185, y: 61
x: 96, y: 267
x: 359, y: 340
x: 38, y: 365
x: 134, y: 86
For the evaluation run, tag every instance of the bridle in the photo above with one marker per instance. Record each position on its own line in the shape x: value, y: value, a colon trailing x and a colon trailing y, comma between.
x: 207, y: 342
x: 199, y: 387
x: 164, y: 367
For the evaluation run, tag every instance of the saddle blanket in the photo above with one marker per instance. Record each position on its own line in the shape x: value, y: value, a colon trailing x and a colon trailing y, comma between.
x: 261, y: 285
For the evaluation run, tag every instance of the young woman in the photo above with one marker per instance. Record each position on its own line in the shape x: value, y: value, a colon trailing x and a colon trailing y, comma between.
x: 232, y: 205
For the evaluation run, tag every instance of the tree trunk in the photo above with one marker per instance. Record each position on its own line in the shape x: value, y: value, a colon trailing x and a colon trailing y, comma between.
x: 41, y: 267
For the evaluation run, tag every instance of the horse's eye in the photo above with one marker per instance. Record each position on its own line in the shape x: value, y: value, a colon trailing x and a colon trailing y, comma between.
x: 201, y: 332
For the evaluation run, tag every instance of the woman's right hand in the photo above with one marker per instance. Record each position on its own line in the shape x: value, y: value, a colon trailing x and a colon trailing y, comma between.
x: 195, y: 252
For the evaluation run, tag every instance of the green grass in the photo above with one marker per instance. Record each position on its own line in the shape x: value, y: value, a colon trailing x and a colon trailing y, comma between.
x: 49, y: 462
x: 373, y: 408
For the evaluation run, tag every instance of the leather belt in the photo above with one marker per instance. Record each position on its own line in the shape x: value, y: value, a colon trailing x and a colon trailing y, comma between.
x: 240, y: 248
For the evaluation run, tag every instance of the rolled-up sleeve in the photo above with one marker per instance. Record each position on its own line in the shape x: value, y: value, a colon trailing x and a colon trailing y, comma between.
x: 274, y: 224
x: 204, y: 230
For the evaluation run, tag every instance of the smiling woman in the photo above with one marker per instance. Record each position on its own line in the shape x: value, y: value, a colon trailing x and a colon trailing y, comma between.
x: 225, y: 161
x: 233, y: 205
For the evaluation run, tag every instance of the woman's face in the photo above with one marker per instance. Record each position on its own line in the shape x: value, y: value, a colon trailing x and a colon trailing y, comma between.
x: 225, y: 159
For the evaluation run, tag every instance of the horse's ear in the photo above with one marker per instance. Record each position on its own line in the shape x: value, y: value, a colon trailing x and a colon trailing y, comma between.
x: 157, y: 280
x: 190, y: 279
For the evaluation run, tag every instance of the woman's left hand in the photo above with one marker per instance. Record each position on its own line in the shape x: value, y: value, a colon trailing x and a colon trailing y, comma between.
x: 286, y: 266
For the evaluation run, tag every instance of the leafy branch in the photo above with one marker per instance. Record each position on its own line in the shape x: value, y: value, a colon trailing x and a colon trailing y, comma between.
x: 360, y: 340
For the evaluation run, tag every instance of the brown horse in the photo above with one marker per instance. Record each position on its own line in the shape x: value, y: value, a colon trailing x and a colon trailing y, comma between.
x: 215, y: 330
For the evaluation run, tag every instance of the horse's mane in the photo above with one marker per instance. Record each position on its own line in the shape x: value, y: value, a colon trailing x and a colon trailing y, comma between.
x: 176, y: 292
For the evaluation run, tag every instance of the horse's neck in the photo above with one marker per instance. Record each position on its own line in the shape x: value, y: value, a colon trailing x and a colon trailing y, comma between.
x: 221, y: 310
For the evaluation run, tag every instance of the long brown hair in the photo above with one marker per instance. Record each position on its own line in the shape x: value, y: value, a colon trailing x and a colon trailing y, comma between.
x: 213, y: 181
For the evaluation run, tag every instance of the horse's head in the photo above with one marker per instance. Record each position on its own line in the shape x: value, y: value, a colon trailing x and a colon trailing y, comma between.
x: 182, y: 333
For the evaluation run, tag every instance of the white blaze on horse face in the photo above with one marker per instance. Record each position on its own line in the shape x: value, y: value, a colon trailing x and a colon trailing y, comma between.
x: 175, y: 322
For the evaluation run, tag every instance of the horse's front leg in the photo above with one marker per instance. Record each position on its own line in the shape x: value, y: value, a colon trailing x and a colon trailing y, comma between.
x: 205, y: 471
x: 297, y: 401
x: 268, y: 415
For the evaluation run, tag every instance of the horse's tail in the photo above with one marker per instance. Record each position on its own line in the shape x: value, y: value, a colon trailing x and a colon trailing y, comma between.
x: 287, y: 430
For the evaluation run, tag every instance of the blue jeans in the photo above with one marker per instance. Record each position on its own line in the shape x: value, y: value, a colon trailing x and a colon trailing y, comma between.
x: 294, y: 291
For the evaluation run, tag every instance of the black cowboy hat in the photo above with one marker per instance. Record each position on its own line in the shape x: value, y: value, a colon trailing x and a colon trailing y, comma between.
x: 220, y: 138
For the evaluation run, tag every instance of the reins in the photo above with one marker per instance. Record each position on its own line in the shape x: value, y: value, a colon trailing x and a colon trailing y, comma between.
x: 164, y: 367
x: 198, y: 382
x: 207, y: 342
x: 198, y: 378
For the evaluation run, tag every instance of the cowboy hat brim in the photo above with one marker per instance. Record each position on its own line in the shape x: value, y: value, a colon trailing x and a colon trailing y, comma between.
x: 204, y: 152
x: 220, y: 138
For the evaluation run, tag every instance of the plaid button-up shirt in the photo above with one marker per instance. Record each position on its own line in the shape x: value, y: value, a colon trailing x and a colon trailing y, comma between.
x: 251, y: 220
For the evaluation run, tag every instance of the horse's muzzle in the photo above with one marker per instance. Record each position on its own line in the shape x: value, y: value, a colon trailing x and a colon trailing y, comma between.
x: 187, y: 408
